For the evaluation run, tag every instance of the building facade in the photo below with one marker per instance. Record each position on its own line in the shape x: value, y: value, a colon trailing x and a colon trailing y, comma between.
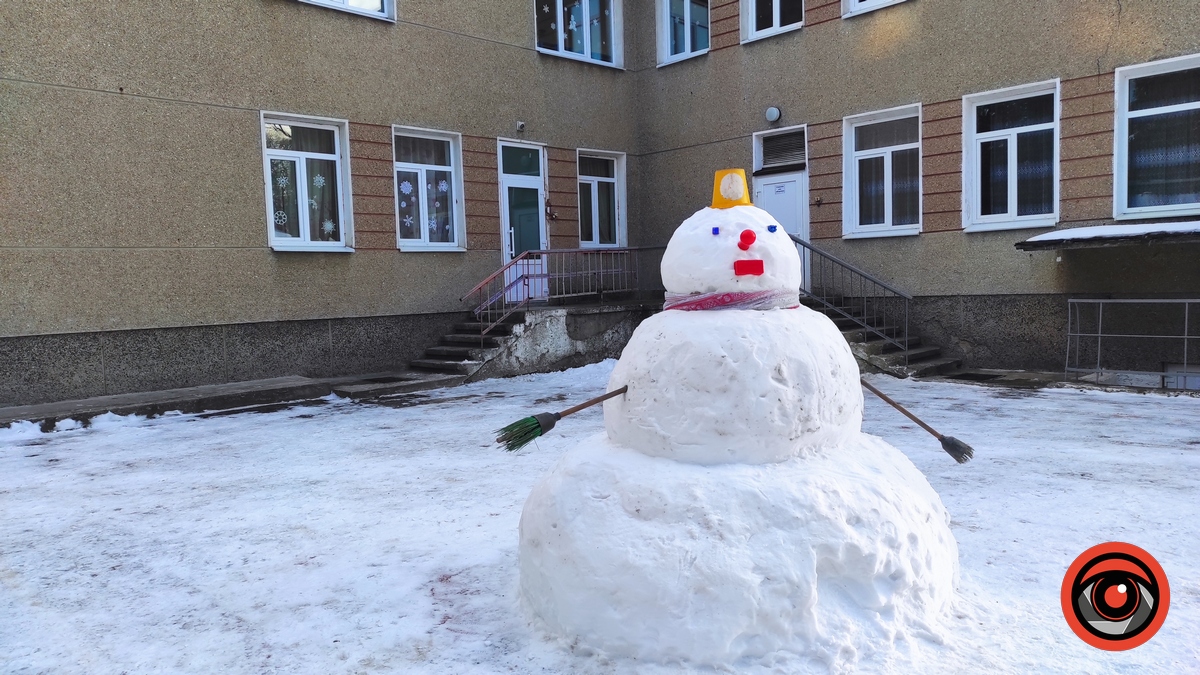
x: 271, y: 187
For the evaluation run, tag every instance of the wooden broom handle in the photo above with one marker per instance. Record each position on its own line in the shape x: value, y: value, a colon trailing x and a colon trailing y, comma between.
x: 899, y: 407
x: 598, y: 399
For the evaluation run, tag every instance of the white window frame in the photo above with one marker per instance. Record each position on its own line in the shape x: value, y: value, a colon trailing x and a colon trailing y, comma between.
x: 456, y: 176
x: 757, y: 143
x: 665, y: 57
x: 341, y: 129
x: 618, y: 61
x: 748, y: 32
x: 855, y: 8
x: 1121, y: 210
x: 388, y: 14
x: 973, y: 218
x: 850, y: 227
x: 618, y: 160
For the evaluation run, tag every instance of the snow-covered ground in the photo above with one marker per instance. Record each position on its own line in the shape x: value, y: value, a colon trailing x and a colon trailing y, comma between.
x: 367, y: 538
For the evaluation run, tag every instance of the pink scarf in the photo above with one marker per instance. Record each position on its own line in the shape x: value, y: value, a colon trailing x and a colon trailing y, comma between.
x: 732, y: 300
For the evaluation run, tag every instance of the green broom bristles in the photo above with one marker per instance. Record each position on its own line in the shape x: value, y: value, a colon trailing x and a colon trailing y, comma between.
x: 518, y: 434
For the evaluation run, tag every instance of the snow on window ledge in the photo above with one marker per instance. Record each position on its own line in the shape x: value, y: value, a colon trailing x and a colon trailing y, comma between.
x: 1011, y: 225
x: 879, y: 234
x: 309, y: 248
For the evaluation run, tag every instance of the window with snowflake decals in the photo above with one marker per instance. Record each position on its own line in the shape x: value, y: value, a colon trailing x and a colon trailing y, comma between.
x: 429, y: 212
x: 304, y: 184
x: 379, y: 9
x: 589, y: 30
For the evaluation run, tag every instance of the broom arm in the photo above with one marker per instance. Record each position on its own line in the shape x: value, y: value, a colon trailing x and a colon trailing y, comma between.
x: 587, y: 404
x: 902, y: 409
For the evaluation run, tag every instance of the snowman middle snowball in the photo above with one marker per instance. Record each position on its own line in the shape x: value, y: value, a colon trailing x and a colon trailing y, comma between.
x: 733, y: 385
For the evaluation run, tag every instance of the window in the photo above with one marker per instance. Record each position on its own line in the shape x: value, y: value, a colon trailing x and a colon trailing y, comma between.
x: 601, y: 182
x: 780, y: 150
x: 589, y: 30
x: 683, y: 29
x: 307, y: 182
x: 379, y: 9
x: 881, y: 191
x: 429, y: 204
x: 1010, y: 161
x: 1158, y: 139
x: 855, y: 7
x: 763, y: 18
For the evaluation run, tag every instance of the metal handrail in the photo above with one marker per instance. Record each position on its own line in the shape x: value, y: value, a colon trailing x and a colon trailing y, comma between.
x: 839, y: 282
x: 554, y: 274
x: 1080, y: 343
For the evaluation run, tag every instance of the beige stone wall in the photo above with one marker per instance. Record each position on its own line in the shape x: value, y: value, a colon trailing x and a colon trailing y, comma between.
x: 932, y: 52
x: 133, y: 180
x: 133, y: 188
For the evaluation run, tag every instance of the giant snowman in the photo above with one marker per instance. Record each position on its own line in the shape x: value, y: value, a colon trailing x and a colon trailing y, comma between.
x: 733, y: 511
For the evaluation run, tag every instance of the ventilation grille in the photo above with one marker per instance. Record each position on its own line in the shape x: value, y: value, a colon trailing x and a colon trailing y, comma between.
x: 783, y: 150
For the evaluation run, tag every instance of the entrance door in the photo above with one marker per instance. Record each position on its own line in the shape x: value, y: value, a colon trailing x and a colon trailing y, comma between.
x: 523, y: 219
x: 785, y: 197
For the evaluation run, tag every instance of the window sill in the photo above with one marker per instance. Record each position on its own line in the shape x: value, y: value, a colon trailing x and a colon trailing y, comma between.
x: 1183, y: 211
x: 911, y: 231
x: 868, y: 10
x: 1034, y: 223
x: 309, y: 248
x: 681, y: 57
x: 429, y: 248
x: 351, y: 10
x: 572, y: 56
x: 772, y: 33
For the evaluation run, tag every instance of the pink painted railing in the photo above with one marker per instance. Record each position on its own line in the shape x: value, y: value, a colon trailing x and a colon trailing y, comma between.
x: 556, y: 275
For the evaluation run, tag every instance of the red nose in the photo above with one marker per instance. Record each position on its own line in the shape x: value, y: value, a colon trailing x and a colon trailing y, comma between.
x: 748, y: 238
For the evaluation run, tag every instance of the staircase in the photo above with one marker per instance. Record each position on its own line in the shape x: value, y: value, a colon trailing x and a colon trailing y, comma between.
x: 466, y: 349
x: 872, y: 315
x: 918, y: 360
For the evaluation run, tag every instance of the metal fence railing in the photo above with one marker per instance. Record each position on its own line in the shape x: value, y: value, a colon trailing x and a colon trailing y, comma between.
x: 552, y: 275
x: 877, y: 307
x: 1135, y: 342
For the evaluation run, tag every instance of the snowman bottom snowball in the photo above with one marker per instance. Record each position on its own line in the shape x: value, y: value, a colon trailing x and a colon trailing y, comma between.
x: 836, y: 556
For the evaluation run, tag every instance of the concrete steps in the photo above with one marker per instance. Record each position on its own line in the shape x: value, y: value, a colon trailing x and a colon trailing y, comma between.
x: 918, y: 360
x: 466, y: 349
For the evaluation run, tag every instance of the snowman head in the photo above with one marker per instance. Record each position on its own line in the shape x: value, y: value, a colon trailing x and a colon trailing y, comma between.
x: 733, y: 246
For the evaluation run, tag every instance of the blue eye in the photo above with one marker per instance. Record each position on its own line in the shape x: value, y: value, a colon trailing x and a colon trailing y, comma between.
x: 716, y: 230
x: 772, y: 228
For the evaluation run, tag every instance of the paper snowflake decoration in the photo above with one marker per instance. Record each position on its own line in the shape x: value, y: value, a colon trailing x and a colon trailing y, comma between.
x: 433, y: 225
x: 553, y: 26
x: 282, y: 181
x: 408, y: 221
x: 436, y: 204
x: 545, y: 9
x: 312, y: 203
x: 281, y: 217
x: 443, y: 186
x: 328, y: 226
x: 406, y: 187
x: 404, y: 205
x: 319, y: 181
x: 572, y: 26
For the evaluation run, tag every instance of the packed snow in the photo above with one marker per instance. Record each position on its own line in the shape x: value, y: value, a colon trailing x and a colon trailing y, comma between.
x: 344, y: 537
x: 1116, y: 231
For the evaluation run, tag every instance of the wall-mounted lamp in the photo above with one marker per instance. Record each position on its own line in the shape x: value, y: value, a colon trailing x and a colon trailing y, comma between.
x: 773, y: 114
x: 520, y: 127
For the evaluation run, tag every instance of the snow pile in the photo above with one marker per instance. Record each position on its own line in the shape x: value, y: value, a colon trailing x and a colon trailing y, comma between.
x: 734, y: 510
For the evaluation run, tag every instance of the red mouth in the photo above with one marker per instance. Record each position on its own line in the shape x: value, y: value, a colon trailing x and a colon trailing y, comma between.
x: 744, y: 267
